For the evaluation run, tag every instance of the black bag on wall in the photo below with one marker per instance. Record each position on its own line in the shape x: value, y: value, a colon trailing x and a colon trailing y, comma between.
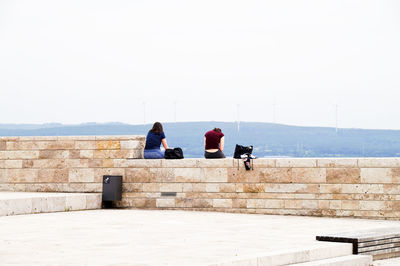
x: 239, y: 150
x: 175, y: 153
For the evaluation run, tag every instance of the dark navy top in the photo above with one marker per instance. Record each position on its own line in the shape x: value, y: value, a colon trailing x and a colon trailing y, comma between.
x: 153, y: 140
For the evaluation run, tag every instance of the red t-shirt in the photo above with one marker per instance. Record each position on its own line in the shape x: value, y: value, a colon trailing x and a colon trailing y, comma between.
x: 213, y: 139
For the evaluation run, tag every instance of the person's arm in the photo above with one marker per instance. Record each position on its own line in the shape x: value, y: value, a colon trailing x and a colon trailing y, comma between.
x: 221, y: 144
x: 204, y: 142
x: 164, y: 143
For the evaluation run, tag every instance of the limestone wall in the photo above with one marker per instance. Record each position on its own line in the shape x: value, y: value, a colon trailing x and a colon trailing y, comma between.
x: 364, y: 187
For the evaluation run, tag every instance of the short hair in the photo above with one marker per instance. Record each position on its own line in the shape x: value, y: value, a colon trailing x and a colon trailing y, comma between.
x: 216, y: 129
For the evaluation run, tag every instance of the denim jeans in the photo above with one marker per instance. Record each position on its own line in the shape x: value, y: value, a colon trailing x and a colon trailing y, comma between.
x: 154, y: 154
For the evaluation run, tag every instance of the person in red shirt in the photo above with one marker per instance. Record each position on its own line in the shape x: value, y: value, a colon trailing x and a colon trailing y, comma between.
x: 214, y: 144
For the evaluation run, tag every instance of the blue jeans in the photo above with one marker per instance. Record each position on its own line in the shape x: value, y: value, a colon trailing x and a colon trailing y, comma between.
x: 153, y: 154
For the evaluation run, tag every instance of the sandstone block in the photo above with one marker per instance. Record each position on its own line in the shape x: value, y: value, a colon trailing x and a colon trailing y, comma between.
x: 188, y: 174
x: 215, y: 175
x: 171, y: 187
x: 151, y: 163
x: 3, y: 145
x: 323, y: 204
x: 187, y: 187
x: 74, y: 154
x: 21, y: 175
x: 212, y: 187
x: 350, y: 205
x: 85, y: 145
x: 239, y: 203
x: 95, y: 163
x: 132, y: 144
x: 227, y: 188
x: 53, y: 204
x: 202, y: 203
x: 53, y: 154
x: 183, y: 203
x: 262, y: 163
x: 308, y: 175
x: 86, y: 154
x: 132, y: 187
x: 108, y: 145
x: 151, y: 187
x: 376, y: 175
x: 100, y: 172
x: 108, y: 163
x: 163, y: 175
x: 216, y: 163
x: 122, y: 137
x: 337, y: 162
x: 53, y: 175
x: 343, y: 175
x: 138, y: 175
x: 13, y: 164
x: 93, y: 187
x: 378, y: 162
x: 56, y: 145
x: 275, y: 175
x: 16, y: 155
x: 292, y: 188
x: 81, y: 175
x: 372, y: 205
x: 165, y: 203
x: 293, y: 204
x: 183, y: 163
x: 73, y: 138
x: 253, y: 188
x: 296, y: 162
x: 19, y: 206
x: 111, y: 154
x: 93, y: 201
x: 222, y: 203
x: 75, y: 202
x: 335, y: 204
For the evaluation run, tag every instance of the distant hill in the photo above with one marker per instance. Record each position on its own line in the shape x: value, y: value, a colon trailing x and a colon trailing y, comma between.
x: 268, y: 139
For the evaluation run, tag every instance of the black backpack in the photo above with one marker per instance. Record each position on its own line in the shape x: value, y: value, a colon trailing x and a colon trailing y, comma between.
x: 175, y: 153
x: 240, y: 150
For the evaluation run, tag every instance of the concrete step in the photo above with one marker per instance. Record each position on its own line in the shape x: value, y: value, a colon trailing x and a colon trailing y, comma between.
x: 351, y: 260
x: 14, y: 203
x: 292, y: 256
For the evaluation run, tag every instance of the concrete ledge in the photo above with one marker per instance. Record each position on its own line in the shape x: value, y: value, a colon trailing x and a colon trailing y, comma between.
x: 14, y: 203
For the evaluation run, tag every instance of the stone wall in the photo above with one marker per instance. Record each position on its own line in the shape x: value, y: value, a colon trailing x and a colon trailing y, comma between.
x: 342, y: 187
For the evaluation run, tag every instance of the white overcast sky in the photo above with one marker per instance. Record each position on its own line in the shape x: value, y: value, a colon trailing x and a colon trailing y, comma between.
x: 98, y: 61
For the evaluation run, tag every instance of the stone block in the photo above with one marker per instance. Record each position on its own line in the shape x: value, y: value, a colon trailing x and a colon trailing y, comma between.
x: 85, y: 145
x: 86, y: 154
x: 215, y: 175
x: 107, y: 163
x: 139, y: 175
x: 53, y: 204
x: 3, y: 145
x: 183, y: 203
x: 151, y: 187
x: 376, y: 175
x: 222, y: 203
x: 275, y: 175
x: 122, y: 137
x: 95, y: 163
x: 75, y: 202
x: 216, y: 163
x: 202, y: 203
x: 296, y: 162
x: 350, y: 205
x: 108, y: 145
x: 18, y: 155
x: 93, y: 201
x: 335, y: 204
x: 183, y: 163
x: 372, y: 205
x: 239, y: 203
x: 262, y: 163
x: 378, y: 162
x: 13, y: 164
x: 199, y: 187
x: 227, y: 188
x: 163, y: 175
x: 132, y: 144
x: 100, y: 172
x: 308, y: 175
x: 212, y: 187
x: 56, y: 145
x: 132, y: 187
x: 171, y: 187
x: 293, y: 204
x: 93, y: 187
x: 337, y: 162
x: 53, y: 175
x: 236, y: 176
x: 253, y: 188
x: 74, y: 154
x: 19, y: 206
x: 21, y: 175
x: 165, y: 203
x: 343, y: 175
x: 187, y: 187
x: 136, y: 163
x: 111, y: 154
x: 188, y: 174
x: 53, y: 154
x: 292, y: 188
x: 81, y: 175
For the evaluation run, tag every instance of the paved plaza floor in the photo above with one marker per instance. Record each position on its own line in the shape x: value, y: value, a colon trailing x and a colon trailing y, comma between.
x: 145, y: 237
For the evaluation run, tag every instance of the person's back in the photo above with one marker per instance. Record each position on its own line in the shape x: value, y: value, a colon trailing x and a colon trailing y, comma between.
x: 214, y: 144
x: 155, y: 137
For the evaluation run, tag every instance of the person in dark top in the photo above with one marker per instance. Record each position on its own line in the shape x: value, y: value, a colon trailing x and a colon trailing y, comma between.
x: 154, y: 139
x: 214, y: 144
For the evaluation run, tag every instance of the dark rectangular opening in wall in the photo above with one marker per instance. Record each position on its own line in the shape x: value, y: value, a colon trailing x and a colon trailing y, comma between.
x: 168, y: 194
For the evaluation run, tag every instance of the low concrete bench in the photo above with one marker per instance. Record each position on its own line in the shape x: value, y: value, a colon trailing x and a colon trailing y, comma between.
x: 381, y: 243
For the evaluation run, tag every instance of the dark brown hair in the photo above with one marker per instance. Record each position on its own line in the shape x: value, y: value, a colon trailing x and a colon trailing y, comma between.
x: 216, y: 129
x: 157, y: 128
